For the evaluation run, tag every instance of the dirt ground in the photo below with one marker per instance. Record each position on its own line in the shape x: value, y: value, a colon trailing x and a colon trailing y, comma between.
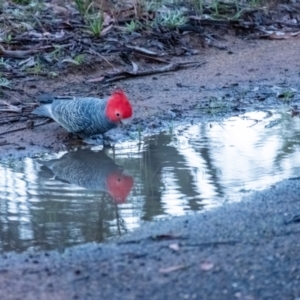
x: 227, y: 75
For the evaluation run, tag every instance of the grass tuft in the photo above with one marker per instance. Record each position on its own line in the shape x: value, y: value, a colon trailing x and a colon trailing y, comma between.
x: 4, y: 82
x: 95, y: 23
x: 170, y: 19
x: 132, y: 26
x: 83, y: 6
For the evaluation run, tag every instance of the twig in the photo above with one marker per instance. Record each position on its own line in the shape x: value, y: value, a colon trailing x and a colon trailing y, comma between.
x: 157, y: 59
x: 14, y: 110
x: 169, y: 68
x: 25, y: 127
x: 98, y: 54
x: 21, y: 53
x: 39, y: 22
x: 127, y: 74
x: 11, y: 108
x: 141, y: 50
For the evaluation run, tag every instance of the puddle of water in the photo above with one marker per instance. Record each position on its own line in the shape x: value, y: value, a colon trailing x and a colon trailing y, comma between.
x: 88, y: 195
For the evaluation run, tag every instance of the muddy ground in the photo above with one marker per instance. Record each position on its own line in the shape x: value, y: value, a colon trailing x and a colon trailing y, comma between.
x: 210, y: 256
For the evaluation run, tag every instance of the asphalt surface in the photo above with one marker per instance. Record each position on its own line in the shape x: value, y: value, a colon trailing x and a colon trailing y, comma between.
x: 246, y: 250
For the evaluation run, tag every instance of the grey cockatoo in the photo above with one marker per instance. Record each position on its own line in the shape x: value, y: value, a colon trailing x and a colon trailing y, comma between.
x: 87, y: 116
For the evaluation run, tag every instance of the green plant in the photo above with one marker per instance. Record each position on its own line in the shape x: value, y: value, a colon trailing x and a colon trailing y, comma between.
x: 56, y: 52
x: 4, y: 82
x: 217, y: 105
x: 52, y: 74
x: 95, y: 23
x: 238, y: 14
x: 35, y: 7
x: 2, y: 61
x: 94, y: 20
x: 237, y: 6
x: 171, y: 19
x: 7, y: 39
x: 79, y: 59
x: 254, y: 3
x: 35, y: 68
x: 83, y: 6
x: 198, y: 4
x: 153, y: 5
x: 18, y: 14
x: 215, y: 6
x: 132, y: 26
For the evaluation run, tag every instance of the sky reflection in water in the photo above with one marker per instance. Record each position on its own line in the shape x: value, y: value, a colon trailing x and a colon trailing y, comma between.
x: 83, y: 196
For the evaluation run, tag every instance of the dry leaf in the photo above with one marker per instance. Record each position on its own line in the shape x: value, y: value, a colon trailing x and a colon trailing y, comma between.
x: 174, y: 247
x: 279, y: 35
x: 142, y: 50
x: 56, y: 8
x: 206, y: 265
x: 107, y: 19
x: 97, y: 79
x: 106, y: 30
x: 171, y: 269
x: 295, y: 33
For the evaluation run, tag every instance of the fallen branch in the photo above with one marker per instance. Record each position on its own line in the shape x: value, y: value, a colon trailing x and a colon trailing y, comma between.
x: 21, y: 53
x: 10, y: 108
x: 98, y: 54
x: 10, y: 119
x: 156, y: 59
x: 25, y: 127
x: 127, y: 74
x: 142, y: 50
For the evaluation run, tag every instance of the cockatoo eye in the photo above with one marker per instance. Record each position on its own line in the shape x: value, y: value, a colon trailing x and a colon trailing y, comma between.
x: 118, y: 114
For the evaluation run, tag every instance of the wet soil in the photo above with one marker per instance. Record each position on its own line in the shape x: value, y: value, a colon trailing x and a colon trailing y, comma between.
x: 244, y: 75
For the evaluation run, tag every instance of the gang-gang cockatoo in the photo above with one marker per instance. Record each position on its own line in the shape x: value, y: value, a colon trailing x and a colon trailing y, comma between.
x: 86, y: 116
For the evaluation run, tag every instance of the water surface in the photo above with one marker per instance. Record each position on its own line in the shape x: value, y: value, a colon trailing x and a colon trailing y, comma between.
x: 89, y: 195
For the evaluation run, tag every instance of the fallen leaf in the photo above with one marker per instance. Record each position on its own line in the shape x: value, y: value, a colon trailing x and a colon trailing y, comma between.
x: 206, y: 265
x: 295, y: 33
x: 107, y: 19
x: 142, y: 50
x: 174, y: 247
x: 106, y: 30
x: 70, y: 60
x: 56, y: 8
x: 280, y: 35
x: 172, y: 269
x: 97, y: 79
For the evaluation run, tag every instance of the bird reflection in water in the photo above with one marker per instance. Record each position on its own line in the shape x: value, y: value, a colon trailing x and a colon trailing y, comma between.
x: 92, y: 170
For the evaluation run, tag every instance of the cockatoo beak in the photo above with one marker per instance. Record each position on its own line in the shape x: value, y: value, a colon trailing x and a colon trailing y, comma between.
x: 126, y: 121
